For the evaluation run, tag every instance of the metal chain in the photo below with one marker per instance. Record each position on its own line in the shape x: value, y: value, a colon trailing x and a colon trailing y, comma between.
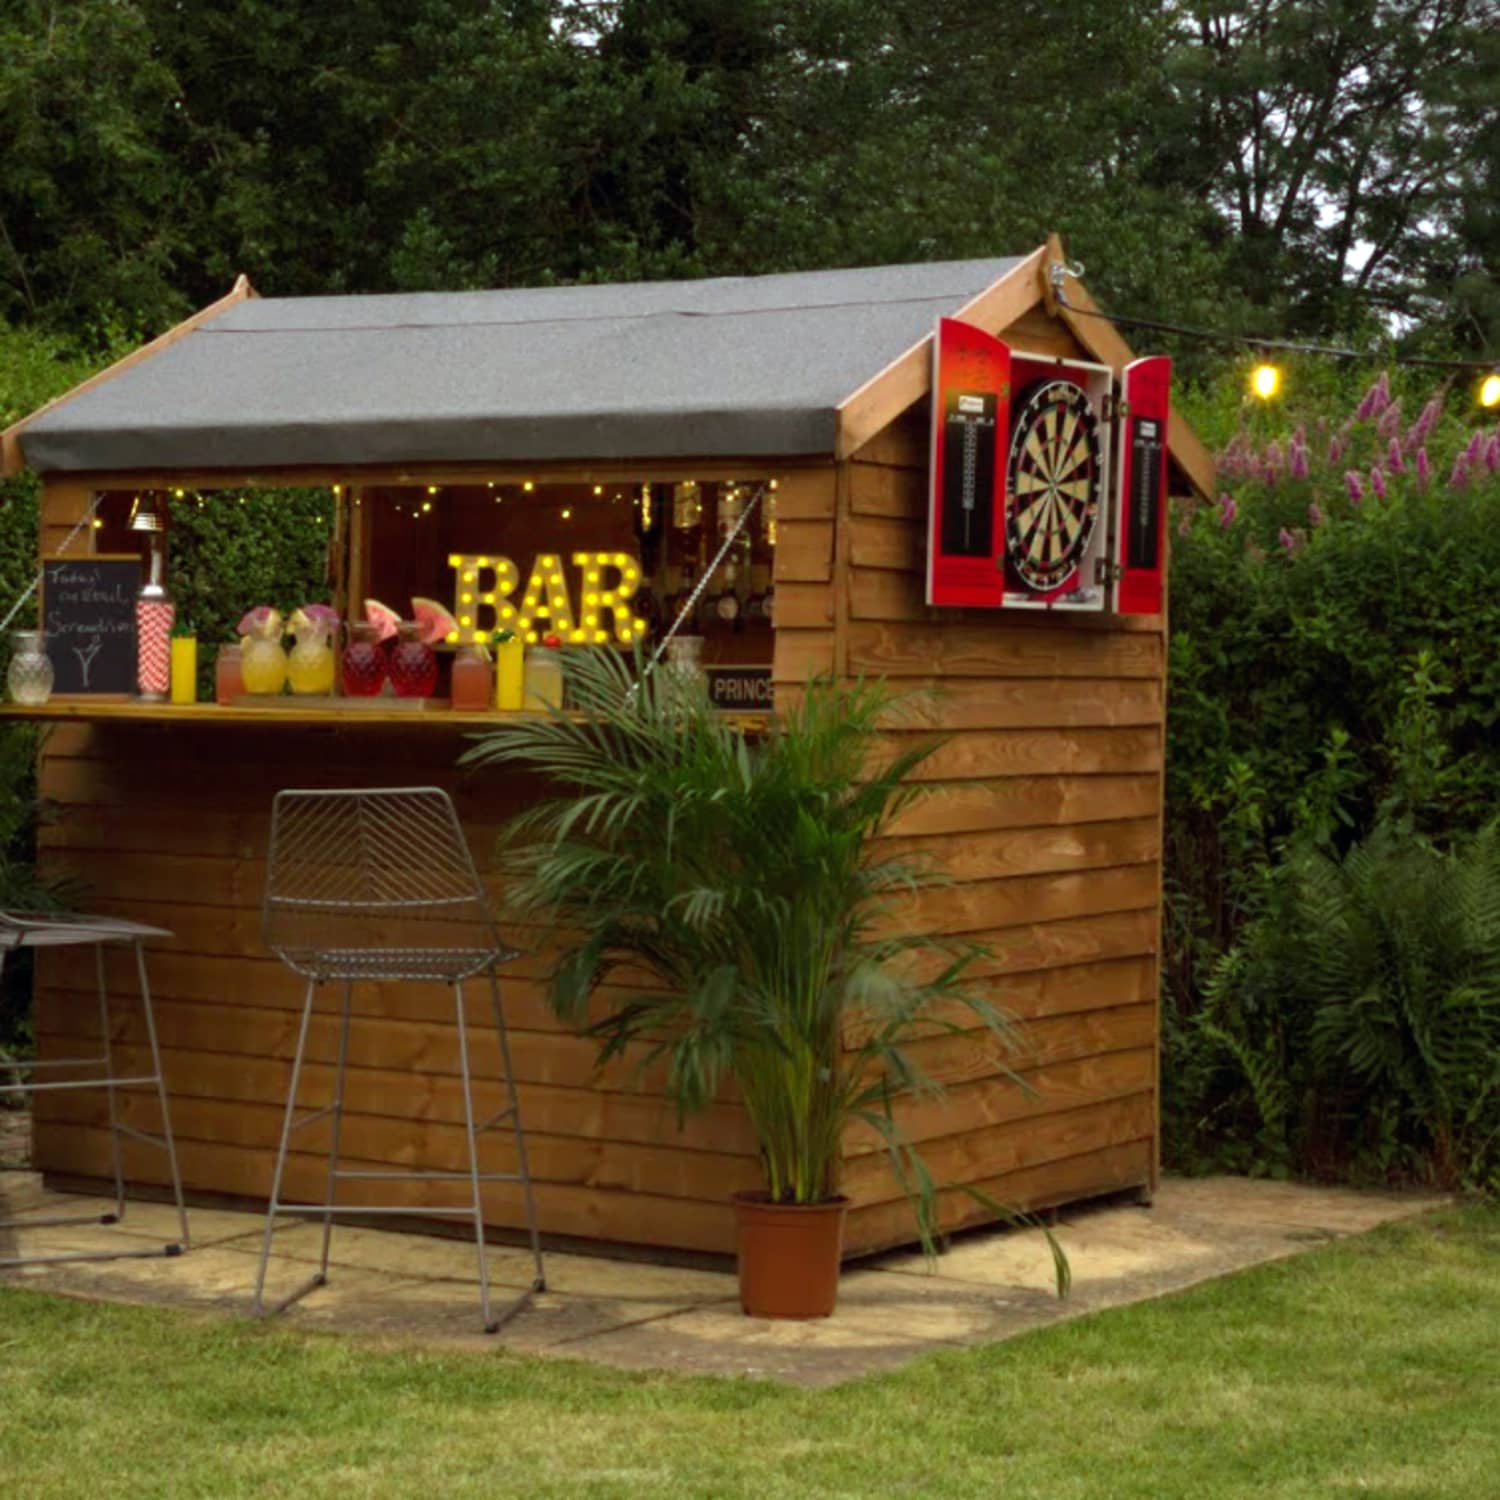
x: 708, y: 573
x: 67, y: 542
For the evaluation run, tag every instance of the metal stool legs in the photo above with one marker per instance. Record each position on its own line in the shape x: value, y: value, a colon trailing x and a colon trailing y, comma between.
x: 118, y: 1131
x: 539, y: 1284
x: 288, y: 1124
x: 473, y: 1210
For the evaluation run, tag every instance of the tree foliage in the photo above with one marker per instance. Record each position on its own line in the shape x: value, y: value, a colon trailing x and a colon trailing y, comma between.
x: 1341, y: 140
x: 1272, y: 161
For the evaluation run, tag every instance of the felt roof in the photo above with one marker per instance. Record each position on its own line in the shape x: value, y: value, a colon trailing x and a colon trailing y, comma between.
x: 734, y: 366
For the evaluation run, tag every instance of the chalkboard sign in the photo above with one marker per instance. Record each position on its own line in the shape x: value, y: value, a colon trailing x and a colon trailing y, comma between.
x: 88, y: 612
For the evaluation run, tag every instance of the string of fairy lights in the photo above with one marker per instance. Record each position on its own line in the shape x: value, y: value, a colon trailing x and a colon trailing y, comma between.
x: 486, y: 581
x: 1267, y: 377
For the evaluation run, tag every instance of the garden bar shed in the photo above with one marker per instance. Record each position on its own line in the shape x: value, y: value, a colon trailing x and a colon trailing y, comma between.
x: 472, y: 441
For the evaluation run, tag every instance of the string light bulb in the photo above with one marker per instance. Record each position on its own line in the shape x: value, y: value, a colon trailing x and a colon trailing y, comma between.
x: 1489, y: 390
x: 1265, y: 381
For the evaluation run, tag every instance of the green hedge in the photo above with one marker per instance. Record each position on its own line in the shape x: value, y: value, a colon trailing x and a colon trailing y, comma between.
x: 1332, y: 668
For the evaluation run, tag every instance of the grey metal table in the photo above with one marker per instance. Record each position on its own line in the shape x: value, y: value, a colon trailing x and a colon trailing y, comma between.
x: 65, y: 929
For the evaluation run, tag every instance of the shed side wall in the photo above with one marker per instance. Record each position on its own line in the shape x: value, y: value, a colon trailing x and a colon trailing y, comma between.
x: 1046, y: 813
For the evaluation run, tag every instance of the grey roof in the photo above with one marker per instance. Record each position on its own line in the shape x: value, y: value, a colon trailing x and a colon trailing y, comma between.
x: 734, y: 366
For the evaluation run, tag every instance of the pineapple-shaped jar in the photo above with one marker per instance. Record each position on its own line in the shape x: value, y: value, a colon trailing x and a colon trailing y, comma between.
x: 262, y: 661
x: 365, y: 664
x: 310, y: 665
x: 414, y: 665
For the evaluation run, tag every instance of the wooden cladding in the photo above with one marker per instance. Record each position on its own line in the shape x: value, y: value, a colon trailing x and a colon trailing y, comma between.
x: 1044, y: 814
x: 1042, y: 806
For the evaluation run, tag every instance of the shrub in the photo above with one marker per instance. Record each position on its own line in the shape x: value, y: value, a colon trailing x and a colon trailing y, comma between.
x: 1331, y: 672
x: 1362, y: 1010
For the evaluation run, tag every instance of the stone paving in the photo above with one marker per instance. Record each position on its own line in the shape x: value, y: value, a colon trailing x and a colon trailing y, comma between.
x: 418, y: 1289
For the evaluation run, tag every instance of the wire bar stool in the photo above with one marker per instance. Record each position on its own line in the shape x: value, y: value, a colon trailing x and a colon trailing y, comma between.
x: 379, y: 884
x: 66, y: 929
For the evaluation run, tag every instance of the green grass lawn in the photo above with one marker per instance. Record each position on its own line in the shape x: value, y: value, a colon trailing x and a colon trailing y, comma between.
x: 1369, y: 1368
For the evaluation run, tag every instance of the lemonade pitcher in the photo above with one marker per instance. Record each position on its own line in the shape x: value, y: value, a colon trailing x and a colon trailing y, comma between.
x: 262, y: 661
x: 311, y: 664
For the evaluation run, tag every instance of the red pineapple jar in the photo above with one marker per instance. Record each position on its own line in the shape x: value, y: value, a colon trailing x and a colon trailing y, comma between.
x: 364, y: 665
x: 414, y: 667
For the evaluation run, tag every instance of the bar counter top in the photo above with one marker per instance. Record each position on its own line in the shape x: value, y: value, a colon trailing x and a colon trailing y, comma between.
x: 282, y: 712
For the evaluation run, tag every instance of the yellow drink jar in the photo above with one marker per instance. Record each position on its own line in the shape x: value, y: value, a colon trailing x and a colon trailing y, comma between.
x: 310, y: 664
x: 184, y: 669
x: 262, y: 665
x: 510, y: 672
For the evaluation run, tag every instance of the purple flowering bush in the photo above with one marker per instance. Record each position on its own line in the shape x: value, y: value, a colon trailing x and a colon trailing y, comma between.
x: 1334, y: 685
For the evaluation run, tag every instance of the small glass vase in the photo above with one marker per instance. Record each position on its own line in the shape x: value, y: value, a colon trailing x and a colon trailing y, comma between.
x: 29, y: 679
x: 365, y: 663
x: 414, y: 665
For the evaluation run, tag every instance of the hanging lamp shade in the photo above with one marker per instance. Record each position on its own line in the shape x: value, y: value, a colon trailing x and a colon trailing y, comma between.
x: 146, y: 514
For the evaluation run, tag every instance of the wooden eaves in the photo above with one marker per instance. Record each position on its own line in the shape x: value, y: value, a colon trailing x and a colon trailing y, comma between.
x: 11, y: 461
x: 903, y: 382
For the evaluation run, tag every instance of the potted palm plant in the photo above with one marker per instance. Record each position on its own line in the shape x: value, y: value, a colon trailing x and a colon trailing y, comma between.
x: 741, y: 873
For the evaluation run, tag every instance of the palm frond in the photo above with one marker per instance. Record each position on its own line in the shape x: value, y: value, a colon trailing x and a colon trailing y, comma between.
x: 742, y: 875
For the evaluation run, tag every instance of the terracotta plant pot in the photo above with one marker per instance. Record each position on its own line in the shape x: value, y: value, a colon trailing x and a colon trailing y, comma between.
x: 789, y: 1256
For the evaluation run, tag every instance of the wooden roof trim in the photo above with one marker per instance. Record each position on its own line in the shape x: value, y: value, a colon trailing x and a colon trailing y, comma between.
x: 11, y: 461
x: 903, y: 382
x: 908, y: 377
x: 1103, y: 340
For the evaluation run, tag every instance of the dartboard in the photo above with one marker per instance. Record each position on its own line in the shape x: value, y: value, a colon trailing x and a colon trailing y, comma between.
x: 1055, y: 483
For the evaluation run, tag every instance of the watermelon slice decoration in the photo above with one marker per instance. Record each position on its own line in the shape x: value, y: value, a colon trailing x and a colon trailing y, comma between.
x: 383, y: 618
x: 437, y: 622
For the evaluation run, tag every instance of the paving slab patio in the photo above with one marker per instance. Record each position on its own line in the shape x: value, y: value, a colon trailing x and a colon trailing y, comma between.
x: 419, y: 1289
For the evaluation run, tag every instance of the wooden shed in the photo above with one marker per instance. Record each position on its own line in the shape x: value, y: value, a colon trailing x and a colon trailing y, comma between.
x: 536, y: 421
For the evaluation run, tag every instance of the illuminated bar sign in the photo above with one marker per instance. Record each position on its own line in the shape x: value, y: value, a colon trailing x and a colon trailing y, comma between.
x: 970, y: 424
x: 485, y: 588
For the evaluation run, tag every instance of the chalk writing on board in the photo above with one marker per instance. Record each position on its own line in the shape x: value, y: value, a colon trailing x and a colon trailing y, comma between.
x: 88, y: 613
x: 86, y: 655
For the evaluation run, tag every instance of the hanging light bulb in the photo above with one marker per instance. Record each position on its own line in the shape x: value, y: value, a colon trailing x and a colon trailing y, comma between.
x: 1489, y: 390
x: 1265, y: 381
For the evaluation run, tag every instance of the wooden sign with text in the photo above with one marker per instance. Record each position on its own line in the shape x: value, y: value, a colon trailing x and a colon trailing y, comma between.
x: 746, y: 689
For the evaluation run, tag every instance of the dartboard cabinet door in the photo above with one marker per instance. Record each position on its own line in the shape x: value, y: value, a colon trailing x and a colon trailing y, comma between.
x: 970, y: 420
x: 1141, y: 501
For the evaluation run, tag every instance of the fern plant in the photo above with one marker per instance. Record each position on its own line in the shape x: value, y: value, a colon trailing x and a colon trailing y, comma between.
x: 742, y: 875
x: 1404, y: 981
x: 1363, y: 1004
